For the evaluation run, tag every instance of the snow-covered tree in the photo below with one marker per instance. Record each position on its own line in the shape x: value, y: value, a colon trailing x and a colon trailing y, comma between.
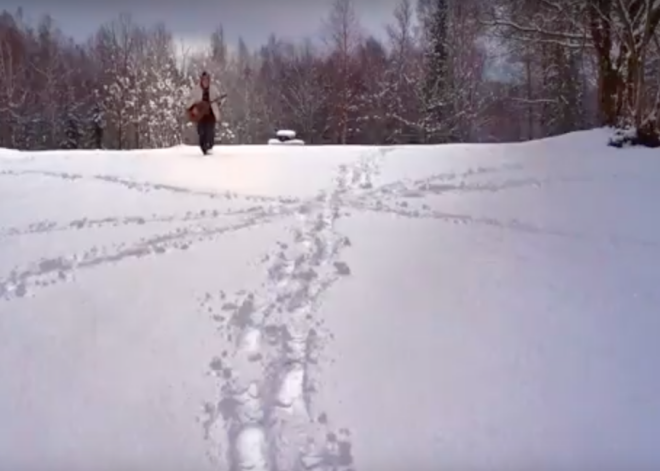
x: 403, y: 93
x: 438, y: 119
x: 617, y: 34
x: 163, y: 91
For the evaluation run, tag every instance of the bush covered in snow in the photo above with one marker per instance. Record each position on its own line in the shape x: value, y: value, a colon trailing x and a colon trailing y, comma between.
x: 645, y: 136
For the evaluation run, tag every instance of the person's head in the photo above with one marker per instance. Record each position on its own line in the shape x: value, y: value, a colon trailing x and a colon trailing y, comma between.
x: 205, y: 80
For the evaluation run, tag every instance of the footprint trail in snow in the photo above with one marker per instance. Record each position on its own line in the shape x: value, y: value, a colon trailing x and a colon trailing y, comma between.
x: 266, y: 417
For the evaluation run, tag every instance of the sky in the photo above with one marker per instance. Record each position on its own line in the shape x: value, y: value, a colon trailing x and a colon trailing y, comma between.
x: 194, y: 20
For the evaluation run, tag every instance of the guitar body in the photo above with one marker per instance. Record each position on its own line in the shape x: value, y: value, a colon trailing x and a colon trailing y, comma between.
x: 202, y: 108
x: 197, y: 111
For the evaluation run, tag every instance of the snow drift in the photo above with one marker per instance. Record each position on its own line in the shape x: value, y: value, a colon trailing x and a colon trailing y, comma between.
x: 470, y: 307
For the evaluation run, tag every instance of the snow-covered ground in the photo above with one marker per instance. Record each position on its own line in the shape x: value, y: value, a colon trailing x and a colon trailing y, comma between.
x: 472, y: 307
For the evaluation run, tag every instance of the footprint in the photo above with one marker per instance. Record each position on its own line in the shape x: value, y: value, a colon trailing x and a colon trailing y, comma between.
x: 251, y: 449
x: 251, y: 342
x: 291, y: 389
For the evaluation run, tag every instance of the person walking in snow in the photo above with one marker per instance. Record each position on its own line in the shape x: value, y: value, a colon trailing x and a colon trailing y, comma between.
x: 203, y: 109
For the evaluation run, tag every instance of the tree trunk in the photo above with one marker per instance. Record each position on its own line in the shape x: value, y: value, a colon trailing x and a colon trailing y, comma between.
x: 607, y: 91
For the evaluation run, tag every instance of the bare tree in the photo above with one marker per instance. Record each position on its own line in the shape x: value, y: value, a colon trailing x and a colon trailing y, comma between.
x: 13, y: 86
x: 467, y: 58
x: 343, y: 35
x: 403, y: 78
x: 303, y: 97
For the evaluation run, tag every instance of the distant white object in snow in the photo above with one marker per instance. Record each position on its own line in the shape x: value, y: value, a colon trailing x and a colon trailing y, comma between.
x: 286, y: 133
x: 286, y: 136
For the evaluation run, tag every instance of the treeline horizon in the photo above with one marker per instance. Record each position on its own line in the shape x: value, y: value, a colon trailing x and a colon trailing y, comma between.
x: 569, y: 64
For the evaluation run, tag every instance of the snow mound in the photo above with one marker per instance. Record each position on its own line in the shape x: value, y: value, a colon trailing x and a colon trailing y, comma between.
x: 342, y: 307
x: 295, y: 142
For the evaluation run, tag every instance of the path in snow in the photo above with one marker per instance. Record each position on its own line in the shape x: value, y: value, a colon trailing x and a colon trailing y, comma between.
x: 267, y: 383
